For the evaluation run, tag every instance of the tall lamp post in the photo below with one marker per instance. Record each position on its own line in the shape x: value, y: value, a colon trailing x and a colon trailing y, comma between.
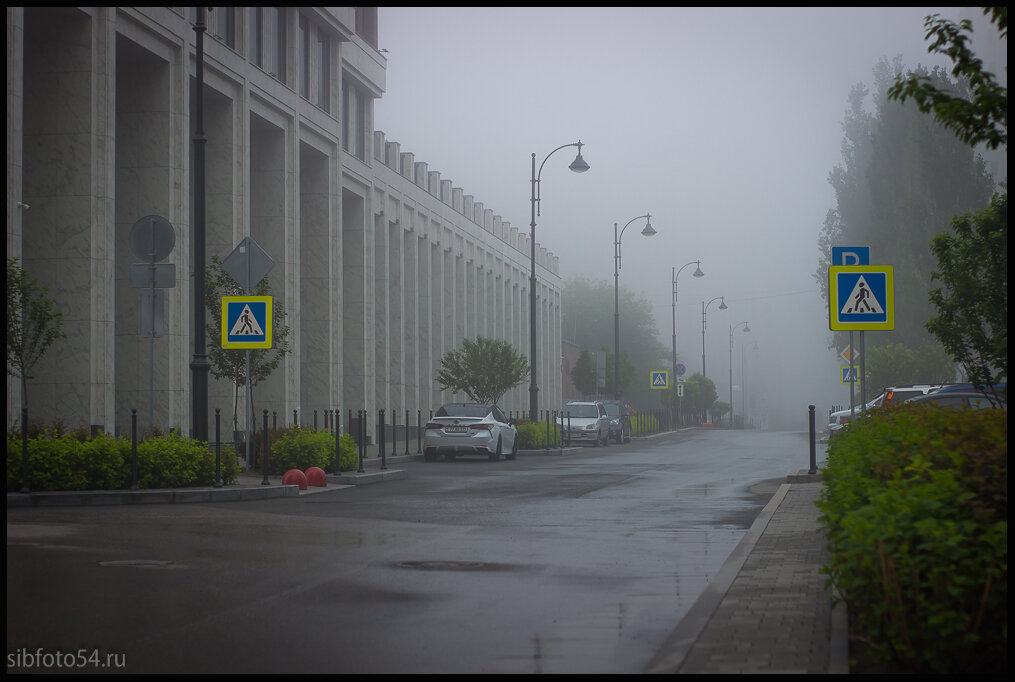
x: 648, y: 232
x: 746, y: 329
x: 673, y: 305
x: 704, y: 312
x: 199, y: 365
x: 578, y: 166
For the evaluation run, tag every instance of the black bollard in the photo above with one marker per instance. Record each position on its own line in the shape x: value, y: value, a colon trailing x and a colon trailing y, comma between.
x: 133, y: 449
x: 265, y: 451
x: 362, y: 435
x: 218, y: 449
x: 814, y: 464
x: 407, y: 432
x: 338, y: 451
x: 419, y: 431
x: 24, y: 450
x: 381, y: 444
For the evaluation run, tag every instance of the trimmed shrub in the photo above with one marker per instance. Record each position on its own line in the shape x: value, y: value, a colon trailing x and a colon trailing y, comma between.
x: 63, y: 461
x: 532, y: 435
x: 914, y: 507
x: 301, y: 447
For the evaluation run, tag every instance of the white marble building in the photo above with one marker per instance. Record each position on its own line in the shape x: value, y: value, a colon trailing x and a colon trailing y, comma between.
x: 382, y: 264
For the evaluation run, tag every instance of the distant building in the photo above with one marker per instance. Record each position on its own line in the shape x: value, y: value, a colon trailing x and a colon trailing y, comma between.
x: 383, y: 265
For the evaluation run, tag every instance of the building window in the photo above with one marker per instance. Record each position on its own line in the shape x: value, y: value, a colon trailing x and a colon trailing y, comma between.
x: 304, y: 58
x: 267, y: 40
x: 223, y: 25
x: 255, y: 36
x: 353, y: 119
x: 323, y: 98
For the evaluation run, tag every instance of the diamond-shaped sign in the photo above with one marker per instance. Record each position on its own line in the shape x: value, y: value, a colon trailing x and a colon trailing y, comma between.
x: 248, y: 264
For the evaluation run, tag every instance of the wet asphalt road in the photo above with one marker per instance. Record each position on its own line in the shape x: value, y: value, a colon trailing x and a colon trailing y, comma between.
x: 546, y: 564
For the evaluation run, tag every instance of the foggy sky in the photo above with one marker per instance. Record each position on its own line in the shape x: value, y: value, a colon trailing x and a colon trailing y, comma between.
x: 723, y: 123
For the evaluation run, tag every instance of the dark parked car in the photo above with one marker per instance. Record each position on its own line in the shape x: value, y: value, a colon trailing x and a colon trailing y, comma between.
x: 620, y: 420
x: 974, y: 399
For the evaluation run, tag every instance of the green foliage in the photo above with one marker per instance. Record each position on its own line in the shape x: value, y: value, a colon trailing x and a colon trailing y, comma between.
x: 33, y: 324
x: 699, y: 394
x: 643, y: 423
x: 583, y: 374
x: 63, y: 461
x: 892, y: 364
x: 901, y: 180
x: 719, y: 408
x: 981, y: 117
x: 484, y: 369
x: 914, y: 507
x: 300, y: 447
x: 972, y: 303
x: 231, y: 364
x: 587, y: 313
x: 532, y: 435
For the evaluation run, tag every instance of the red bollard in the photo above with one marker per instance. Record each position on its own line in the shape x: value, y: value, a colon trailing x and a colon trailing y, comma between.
x: 316, y: 477
x: 295, y: 477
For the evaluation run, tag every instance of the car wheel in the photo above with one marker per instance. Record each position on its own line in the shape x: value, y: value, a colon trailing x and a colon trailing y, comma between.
x: 430, y: 455
x: 514, y: 449
x: 495, y: 456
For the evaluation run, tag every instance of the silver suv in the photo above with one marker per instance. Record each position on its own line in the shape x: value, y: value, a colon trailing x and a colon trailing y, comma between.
x: 585, y: 421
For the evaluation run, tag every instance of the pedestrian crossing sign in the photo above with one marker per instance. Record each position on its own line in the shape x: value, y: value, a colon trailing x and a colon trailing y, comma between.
x: 659, y: 380
x: 849, y: 375
x: 860, y: 298
x: 246, y: 322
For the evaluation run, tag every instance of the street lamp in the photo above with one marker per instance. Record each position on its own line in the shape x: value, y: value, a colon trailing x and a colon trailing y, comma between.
x: 704, y: 311
x: 578, y: 166
x: 676, y: 274
x: 648, y: 232
x: 746, y: 329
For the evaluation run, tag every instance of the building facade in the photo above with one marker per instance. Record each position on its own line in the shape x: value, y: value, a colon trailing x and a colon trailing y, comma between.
x: 382, y: 265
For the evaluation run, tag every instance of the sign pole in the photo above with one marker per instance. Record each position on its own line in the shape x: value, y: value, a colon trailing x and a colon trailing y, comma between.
x: 852, y: 381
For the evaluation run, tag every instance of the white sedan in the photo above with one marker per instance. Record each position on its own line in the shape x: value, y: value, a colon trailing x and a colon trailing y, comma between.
x: 469, y: 429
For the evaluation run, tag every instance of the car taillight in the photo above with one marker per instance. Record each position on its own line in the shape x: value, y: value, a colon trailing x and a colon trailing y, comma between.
x: 482, y: 427
x: 433, y: 425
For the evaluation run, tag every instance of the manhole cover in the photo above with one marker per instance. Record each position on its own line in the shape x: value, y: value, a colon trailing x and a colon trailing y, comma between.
x: 141, y: 563
x: 443, y: 565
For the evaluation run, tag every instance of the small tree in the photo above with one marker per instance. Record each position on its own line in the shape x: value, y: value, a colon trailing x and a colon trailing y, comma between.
x: 484, y: 369
x: 583, y: 374
x: 972, y: 303
x: 33, y: 324
x: 231, y: 364
x: 699, y: 394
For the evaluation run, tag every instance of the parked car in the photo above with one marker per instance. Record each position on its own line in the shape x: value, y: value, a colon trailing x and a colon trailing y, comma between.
x: 620, y: 420
x: 890, y: 395
x: 470, y: 429
x: 976, y: 400
x: 585, y: 422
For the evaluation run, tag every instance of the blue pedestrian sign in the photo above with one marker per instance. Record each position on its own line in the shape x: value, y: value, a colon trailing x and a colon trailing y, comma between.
x: 860, y: 298
x: 849, y: 375
x: 659, y: 380
x: 246, y: 322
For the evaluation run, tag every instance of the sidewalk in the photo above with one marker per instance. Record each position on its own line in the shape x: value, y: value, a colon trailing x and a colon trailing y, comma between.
x: 767, y: 610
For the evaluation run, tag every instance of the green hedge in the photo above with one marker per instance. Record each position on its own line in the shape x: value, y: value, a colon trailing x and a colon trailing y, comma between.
x: 58, y: 460
x: 300, y: 447
x: 914, y: 507
x: 532, y: 435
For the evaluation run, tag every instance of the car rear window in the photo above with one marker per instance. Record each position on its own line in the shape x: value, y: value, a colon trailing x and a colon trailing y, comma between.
x: 581, y: 410
x: 900, y: 396
x: 463, y: 411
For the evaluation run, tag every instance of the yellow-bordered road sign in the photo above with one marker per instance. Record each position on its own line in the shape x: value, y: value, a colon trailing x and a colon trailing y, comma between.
x: 246, y: 322
x: 849, y: 375
x: 860, y: 298
x: 659, y: 379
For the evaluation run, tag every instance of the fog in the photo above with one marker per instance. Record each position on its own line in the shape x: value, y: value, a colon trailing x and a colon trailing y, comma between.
x: 722, y: 123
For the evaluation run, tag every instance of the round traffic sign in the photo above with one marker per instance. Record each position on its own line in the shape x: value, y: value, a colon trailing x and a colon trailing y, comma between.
x: 680, y: 368
x: 152, y: 238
